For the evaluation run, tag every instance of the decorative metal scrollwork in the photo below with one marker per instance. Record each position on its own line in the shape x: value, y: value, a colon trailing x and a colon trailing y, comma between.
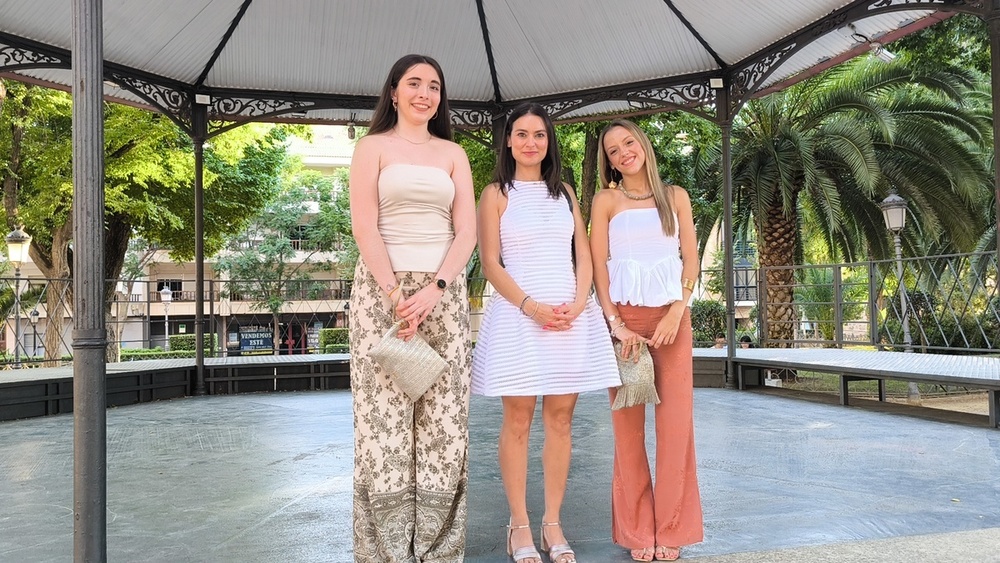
x: 227, y: 108
x: 471, y: 118
x: 977, y: 4
x: 831, y: 24
x: 749, y: 78
x: 11, y: 56
x: 695, y: 97
x: 175, y: 103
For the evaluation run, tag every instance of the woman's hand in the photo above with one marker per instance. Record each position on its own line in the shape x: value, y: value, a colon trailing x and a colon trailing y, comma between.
x: 415, y: 308
x: 550, y: 317
x: 666, y: 329
x: 630, y: 343
x: 564, y: 315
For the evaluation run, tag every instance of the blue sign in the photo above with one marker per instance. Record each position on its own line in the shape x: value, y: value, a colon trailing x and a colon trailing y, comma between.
x: 256, y: 338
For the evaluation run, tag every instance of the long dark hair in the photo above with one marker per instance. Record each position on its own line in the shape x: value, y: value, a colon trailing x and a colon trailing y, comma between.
x: 385, y: 116
x: 551, y: 164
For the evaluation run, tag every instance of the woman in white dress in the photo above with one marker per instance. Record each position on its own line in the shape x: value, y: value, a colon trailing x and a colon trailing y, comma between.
x: 542, y: 332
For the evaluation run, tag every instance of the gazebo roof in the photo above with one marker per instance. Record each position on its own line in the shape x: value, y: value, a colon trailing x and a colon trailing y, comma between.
x: 325, y: 60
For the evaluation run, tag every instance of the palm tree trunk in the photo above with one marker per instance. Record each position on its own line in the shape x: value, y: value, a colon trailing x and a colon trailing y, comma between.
x: 776, y: 247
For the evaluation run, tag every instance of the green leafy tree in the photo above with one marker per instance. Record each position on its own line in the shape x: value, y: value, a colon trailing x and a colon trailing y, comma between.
x: 149, y: 176
x: 330, y: 229
x: 263, y: 264
x: 961, y: 40
x: 838, y: 144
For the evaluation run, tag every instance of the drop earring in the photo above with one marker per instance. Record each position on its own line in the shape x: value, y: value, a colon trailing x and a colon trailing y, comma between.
x: 395, y: 106
x: 612, y: 184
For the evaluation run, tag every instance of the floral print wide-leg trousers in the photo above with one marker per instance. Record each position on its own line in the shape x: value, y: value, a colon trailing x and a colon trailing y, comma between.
x: 410, y: 459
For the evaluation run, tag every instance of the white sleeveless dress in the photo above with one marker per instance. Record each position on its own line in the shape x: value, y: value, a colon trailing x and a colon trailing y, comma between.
x: 513, y: 355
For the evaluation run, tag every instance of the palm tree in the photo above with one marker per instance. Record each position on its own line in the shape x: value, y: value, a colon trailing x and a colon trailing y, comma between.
x: 831, y: 148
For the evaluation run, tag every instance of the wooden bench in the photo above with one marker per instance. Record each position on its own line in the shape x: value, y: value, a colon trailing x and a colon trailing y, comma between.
x: 979, y: 372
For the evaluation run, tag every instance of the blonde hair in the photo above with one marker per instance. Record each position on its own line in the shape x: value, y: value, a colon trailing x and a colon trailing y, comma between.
x: 661, y: 191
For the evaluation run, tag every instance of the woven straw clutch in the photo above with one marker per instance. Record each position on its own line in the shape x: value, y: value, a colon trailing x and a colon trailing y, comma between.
x: 413, y: 366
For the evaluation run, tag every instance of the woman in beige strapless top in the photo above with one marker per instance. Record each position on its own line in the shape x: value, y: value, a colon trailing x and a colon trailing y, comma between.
x: 413, y: 216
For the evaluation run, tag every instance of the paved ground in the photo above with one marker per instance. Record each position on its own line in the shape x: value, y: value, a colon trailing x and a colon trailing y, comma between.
x: 267, y: 477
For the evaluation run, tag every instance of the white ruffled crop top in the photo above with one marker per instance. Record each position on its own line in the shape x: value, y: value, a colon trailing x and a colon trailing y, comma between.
x: 643, y: 263
x: 414, y: 216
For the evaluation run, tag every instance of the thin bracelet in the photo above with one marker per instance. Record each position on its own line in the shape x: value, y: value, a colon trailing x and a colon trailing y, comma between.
x: 532, y: 315
x: 614, y: 331
x: 523, y: 301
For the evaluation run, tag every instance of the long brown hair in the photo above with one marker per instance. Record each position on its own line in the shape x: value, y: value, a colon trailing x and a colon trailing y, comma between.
x: 661, y: 192
x: 385, y: 116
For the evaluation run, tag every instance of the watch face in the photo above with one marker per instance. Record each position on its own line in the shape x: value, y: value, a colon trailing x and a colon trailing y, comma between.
x: 442, y: 284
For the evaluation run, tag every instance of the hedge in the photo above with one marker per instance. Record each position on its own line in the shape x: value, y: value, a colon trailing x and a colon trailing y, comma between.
x: 180, y: 342
x: 333, y: 340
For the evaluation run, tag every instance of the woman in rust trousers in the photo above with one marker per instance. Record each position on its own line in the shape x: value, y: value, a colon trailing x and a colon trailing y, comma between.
x: 645, y: 263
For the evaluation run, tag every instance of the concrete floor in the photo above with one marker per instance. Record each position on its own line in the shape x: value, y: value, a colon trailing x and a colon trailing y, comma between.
x: 267, y: 477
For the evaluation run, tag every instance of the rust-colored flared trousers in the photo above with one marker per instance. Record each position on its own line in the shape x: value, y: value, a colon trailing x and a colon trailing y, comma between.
x: 669, y: 512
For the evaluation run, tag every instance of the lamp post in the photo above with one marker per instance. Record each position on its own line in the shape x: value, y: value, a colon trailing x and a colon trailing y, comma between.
x: 33, y: 317
x: 18, y: 243
x: 894, y: 212
x: 166, y: 296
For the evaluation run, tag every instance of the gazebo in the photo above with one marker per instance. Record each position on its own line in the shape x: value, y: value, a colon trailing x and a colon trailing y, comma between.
x: 211, y: 65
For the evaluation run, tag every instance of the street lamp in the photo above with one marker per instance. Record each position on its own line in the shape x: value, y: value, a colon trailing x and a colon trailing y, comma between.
x: 894, y: 213
x: 18, y: 243
x: 33, y: 317
x: 166, y: 296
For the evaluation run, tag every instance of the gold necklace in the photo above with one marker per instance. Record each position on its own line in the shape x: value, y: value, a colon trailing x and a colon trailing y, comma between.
x: 621, y: 186
x: 396, y: 131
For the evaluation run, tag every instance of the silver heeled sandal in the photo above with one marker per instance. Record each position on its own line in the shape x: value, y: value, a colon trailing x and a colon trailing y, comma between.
x: 558, y: 550
x: 524, y: 552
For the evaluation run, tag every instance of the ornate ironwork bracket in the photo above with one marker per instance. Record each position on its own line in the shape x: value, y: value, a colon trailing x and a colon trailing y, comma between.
x: 473, y: 118
x: 172, y: 102
x: 14, y: 57
x: 972, y: 6
x: 748, y: 79
x: 748, y: 75
x: 228, y: 112
x: 695, y: 97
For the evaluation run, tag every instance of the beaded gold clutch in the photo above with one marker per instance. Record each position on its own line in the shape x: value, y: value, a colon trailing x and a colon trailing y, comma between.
x: 413, y: 366
x: 638, y: 384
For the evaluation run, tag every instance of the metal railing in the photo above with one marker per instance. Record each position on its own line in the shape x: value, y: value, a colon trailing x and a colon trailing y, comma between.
x: 951, y: 302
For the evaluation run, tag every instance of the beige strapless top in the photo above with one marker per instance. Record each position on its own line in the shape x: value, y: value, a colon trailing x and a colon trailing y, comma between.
x: 414, y: 216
